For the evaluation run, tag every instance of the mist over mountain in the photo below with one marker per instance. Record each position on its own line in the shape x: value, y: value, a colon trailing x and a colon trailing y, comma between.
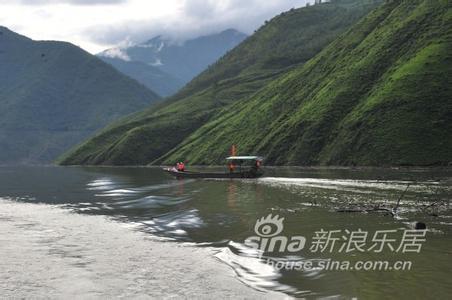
x: 164, y: 65
x: 54, y: 94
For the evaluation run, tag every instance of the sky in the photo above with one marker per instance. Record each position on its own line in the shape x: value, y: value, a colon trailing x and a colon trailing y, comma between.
x: 96, y: 25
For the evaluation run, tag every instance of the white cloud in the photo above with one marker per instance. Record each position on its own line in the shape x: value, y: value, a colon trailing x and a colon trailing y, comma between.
x: 49, y: 2
x: 99, y: 24
x: 116, y: 53
x: 157, y: 62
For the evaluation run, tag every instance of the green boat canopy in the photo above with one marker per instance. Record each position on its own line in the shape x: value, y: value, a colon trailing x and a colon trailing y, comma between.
x: 244, y: 158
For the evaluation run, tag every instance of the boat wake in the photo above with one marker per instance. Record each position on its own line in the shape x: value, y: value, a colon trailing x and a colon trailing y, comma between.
x: 349, y: 185
x: 430, y: 197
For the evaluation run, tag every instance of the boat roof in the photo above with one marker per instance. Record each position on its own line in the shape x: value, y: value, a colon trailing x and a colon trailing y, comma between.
x: 244, y: 158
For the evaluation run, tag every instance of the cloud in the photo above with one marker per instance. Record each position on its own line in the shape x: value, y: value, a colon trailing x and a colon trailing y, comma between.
x: 74, y: 2
x: 194, y: 18
x: 96, y: 25
x: 116, y: 53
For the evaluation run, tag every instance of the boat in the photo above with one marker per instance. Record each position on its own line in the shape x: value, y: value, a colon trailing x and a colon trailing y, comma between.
x: 239, y: 167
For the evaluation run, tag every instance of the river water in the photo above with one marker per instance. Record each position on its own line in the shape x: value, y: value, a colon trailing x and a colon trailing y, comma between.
x: 51, y: 210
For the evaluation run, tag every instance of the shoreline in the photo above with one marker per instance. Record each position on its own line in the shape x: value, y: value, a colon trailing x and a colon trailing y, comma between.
x: 283, y: 167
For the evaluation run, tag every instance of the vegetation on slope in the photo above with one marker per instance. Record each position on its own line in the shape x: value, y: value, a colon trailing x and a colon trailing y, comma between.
x: 282, y: 44
x: 53, y: 95
x: 381, y: 94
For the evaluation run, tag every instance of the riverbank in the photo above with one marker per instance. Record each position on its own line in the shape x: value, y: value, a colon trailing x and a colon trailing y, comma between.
x: 49, y: 252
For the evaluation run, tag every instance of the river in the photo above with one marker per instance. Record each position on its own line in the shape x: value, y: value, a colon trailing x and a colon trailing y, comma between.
x: 103, y: 231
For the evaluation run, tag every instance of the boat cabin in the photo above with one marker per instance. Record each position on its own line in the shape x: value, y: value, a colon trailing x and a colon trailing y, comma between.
x: 242, y: 164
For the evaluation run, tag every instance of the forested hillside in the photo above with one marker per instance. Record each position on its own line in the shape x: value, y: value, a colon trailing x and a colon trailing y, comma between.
x: 381, y: 94
x: 53, y: 95
x: 285, y: 43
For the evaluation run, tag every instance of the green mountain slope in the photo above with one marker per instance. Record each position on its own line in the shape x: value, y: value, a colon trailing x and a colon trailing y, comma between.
x: 287, y: 41
x: 381, y: 94
x: 53, y: 95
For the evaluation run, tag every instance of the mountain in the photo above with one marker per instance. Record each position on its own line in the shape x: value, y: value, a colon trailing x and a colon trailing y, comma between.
x: 152, y: 77
x: 165, y: 66
x: 380, y: 94
x: 53, y: 95
x: 286, y: 42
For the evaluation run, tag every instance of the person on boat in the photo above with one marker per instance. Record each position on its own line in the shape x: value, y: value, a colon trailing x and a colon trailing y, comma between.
x: 177, y: 166
x: 231, y: 167
x: 181, y: 167
x: 255, y: 167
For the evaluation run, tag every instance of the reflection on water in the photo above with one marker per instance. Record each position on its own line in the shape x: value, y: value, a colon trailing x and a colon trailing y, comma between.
x: 222, y: 214
x: 49, y: 253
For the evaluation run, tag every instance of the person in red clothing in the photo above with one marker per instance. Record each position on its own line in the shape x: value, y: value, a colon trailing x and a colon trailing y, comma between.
x: 231, y: 167
x: 181, y: 167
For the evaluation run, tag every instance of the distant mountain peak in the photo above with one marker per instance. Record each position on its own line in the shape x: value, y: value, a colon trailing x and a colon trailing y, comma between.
x: 155, y: 39
x: 157, y: 43
x: 181, y: 61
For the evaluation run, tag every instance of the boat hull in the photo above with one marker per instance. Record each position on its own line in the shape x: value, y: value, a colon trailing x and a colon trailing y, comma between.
x: 187, y: 174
